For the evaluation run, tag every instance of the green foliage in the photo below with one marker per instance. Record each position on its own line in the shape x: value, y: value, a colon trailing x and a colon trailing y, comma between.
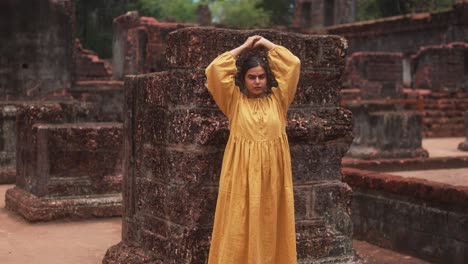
x: 240, y: 13
x: 173, y: 10
x: 373, y: 9
x: 94, y: 23
x: 282, y: 11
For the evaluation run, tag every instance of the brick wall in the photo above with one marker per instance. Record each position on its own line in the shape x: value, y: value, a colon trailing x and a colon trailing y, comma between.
x: 376, y: 74
x: 406, y: 33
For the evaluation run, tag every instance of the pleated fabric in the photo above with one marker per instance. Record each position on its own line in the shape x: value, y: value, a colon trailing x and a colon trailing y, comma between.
x: 254, y: 219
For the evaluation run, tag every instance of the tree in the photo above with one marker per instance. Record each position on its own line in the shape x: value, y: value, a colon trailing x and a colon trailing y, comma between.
x: 174, y: 10
x: 240, y: 13
x: 282, y: 11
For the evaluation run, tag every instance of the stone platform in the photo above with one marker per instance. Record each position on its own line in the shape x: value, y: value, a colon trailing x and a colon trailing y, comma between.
x: 65, y: 169
x: 422, y: 216
x: 384, y: 130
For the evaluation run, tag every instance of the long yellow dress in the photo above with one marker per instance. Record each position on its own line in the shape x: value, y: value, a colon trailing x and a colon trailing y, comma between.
x: 254, y: 219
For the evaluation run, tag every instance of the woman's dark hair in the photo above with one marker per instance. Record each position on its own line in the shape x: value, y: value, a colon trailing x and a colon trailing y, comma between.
x: 251, y: 60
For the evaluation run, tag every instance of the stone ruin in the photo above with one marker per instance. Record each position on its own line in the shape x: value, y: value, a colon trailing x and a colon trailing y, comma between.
x: 443, y: 70
x: 385, y: 124
x: 139, y: 44
x: 434, y: 63
x: 174, y: 140
x: 60, y: 142
x: 420, y: 217
x: 66, y: 168
x: 320, y: 13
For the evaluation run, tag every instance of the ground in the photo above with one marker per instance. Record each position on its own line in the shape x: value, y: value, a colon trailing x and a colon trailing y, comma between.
x: 87, y: 241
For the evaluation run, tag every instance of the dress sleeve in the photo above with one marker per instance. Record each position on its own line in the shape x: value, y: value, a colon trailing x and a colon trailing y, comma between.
x: 286, y: 68
x: 221, y: 83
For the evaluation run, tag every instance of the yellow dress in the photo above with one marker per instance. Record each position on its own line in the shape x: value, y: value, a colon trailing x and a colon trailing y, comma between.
x: 254, y: 219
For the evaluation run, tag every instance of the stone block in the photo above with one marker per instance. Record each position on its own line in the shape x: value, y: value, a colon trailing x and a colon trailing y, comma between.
x: 385, y: 134
x: 30, y: 114
x: 187, y: 47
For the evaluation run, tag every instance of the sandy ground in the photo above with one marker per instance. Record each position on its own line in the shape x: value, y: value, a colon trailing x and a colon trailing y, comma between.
x: 87, y: 241
x: 443, y: 147
x: 54, y: 242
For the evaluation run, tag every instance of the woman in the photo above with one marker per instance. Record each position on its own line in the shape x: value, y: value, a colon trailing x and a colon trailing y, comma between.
x: 254, y: 220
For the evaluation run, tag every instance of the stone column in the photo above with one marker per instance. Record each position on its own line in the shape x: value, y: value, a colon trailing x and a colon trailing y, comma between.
x: 7, y: 143
x: 464, y: 145
x: 174, y: 140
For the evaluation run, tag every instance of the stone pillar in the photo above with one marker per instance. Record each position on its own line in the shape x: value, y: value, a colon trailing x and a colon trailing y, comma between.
x: 65, y: 170
x: 464, y: 145
x: 174, y: 140
x: 7, y: 143
x: 383, y: 131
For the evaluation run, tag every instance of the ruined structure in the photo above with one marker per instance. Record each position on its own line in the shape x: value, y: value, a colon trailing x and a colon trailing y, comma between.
x: 433, y: 58
x: 88, y: 66
x: 320, y: 13
x: 65, y: 168
x: 406, y: 33
x: 65, y: 165
x: 420, y: 217
x: 139, y: 43
x: 386, y: 125
x: 434, y: 81
x: 377, y: 75
x: 41, y: 60
x: 171, y: 119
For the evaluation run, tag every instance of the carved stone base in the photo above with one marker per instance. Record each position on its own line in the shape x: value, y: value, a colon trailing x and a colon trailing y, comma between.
x: 123, y: 253
x: 7, y: 176
x: 33, y: 208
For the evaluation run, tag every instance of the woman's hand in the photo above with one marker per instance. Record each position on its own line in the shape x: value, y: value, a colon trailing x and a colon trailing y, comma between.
x: 263, y: 42
x: 251, y: 43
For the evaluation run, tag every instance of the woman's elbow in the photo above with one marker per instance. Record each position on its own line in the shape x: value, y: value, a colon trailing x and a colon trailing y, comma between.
x: 296, y: 62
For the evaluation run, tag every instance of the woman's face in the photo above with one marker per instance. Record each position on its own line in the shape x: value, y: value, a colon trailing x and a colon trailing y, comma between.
x: 255, y: 81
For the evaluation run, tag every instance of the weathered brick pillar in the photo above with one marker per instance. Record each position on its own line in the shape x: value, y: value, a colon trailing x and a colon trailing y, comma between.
x: 64, y: 169
x: 175, y: 135
x: 383, y: 131
x: 464, y: 145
